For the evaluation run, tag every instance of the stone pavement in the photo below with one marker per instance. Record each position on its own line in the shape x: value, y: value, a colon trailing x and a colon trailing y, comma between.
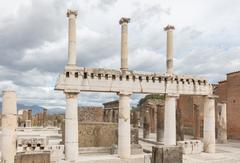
x: 225, y: 153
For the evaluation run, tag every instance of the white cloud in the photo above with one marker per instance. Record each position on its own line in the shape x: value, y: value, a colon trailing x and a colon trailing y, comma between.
x: 33, y: 37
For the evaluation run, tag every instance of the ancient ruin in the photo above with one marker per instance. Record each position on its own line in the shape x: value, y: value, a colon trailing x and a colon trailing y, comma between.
x: 125, y: 82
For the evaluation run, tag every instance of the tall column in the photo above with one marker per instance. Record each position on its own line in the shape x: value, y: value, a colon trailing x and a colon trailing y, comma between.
x: 169, y: 63
x: 179, y: 123
x: 146, y: 124
x: 72, y: 14
x: 196, y: 122
x: 160, y: 122
x: 71, y: 126
x: 170, y: 120
x: 124, y: 43
x: 9, y: 125
x: 209, y: 125
x: 221, y: 123
x: 124, y: 144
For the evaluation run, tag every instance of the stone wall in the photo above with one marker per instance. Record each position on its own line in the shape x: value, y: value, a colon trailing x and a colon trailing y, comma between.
x: 229, y: 92
x: 93, y: 134
x: 43, y: 157
x: 90, y: 114
x: 100, y: 134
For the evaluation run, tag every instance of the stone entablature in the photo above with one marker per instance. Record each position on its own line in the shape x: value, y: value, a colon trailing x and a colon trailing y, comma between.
x: 76, y: 79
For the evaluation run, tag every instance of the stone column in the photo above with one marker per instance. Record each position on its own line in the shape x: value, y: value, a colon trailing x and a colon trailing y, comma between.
x: 45, y: 119
x: 124, y: 43
x: 9, y: 126
x: 196, y: 122
x: 209, y: 124
x: 160, y: 122
x: 72, y: 14
x: 146, y: 124
x: 169, y: 30
x: 71, y: 126
x: 222, y: 123
x: 179, y: 123
x: 124, y: 144
x: 152, y: 119
x: 170, y: 120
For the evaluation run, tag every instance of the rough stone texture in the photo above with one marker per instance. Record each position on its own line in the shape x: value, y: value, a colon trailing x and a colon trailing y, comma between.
x: 96, y: 134
x: 166, y: 154
x: 43, y: 157
x: 229, y: 92
x: 90, y: 114
x: 191, y: 146
x: 93, y: 134
x: 191, y: 121
x: 179, y: 124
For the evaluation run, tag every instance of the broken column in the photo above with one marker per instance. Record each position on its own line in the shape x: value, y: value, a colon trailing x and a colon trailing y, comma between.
x: 169, y: 30
x: 160, y: 122
x: 196, y: 122
x: 124, y: 144
x: 9, y: 126
x: 221, y: 123
x: 124, y: 43
x: 170, y: 119
x: 45, y: 119
x: 71, y: 126
x: 209, y: 124
x: 72, y: 14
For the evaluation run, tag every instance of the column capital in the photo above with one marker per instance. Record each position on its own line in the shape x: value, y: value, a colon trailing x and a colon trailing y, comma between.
x: 71, y: 94
x: 169, y: 27
x: 124, y: 20
x: 72, y: 12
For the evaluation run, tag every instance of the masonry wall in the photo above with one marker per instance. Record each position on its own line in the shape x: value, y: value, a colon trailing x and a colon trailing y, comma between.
x: 229, y: 92
x: 90, y: 114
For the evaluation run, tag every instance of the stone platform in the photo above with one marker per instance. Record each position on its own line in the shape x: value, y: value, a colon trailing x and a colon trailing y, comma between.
x: 108, y: 159
x: 225, y: 153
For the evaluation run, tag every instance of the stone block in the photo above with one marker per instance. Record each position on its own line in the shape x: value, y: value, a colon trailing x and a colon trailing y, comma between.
x: 191, y: 146
x: 167, y: 154
x: 43, y: 157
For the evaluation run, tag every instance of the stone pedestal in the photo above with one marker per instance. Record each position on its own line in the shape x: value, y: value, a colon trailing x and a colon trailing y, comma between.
x: 71, y: 126
x: 124, y: 145
x: 72, y: 14
x: 221, y: 123
x: 160, y: 122
x: 9, y: 125
x: 170, y: 120
x: 209, y: 125
x: 196, y: 122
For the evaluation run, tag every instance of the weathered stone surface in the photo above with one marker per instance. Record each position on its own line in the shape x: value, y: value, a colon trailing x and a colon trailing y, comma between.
x: 166, y: 154
x: 100, y: 134
x: 191, y: 146
x: 43, y: 157
x: 90, y: 114
x: 229, y: 92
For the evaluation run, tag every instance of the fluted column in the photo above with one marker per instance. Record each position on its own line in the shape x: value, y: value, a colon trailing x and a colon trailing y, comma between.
x: 124, y: 144
x: 221, y: 123
x: 170, y: 120
x: 72, y: 57
x: 124, y: 43
x: 9, y: 125
x: 71, y: 126
x: 169, y: 29
x: 209, y: 124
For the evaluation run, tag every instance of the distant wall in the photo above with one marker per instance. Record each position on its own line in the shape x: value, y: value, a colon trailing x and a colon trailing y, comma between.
x: 43, y: 157
x: 90, y: 114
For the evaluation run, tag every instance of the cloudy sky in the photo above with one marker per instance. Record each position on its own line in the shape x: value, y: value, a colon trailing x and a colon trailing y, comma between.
x: 33, y: 41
